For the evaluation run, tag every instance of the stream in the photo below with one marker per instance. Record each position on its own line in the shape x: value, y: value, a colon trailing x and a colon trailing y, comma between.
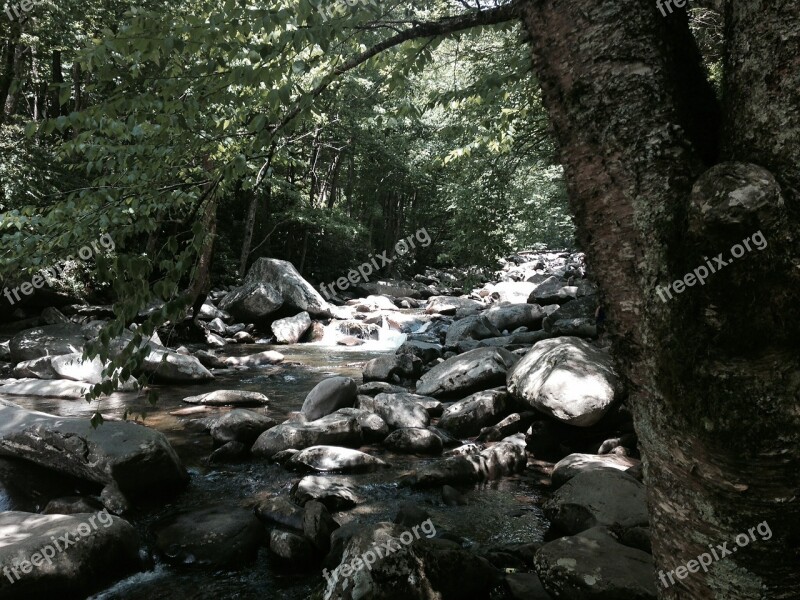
x: 498, y: 512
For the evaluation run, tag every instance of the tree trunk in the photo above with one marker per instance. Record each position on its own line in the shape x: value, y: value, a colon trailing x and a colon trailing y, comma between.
x: 712, y: 372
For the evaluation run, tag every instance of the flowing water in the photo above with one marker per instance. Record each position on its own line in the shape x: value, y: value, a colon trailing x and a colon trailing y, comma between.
x: 497, y: 512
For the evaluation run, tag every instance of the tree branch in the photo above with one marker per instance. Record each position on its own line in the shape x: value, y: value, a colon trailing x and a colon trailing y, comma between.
x: 494, y: 16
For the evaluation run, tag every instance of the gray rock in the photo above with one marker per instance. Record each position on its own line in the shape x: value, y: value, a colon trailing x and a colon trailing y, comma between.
x: 401, y: 410
x: 228, y: 452
x: 414, y: 440
x: 209, y: 360
x: 513, y: 423
x: 373, y: 388
x: 281, y: 511
x: 218, y: 536
x: 373, y: 428
x: 336, y: 493
x: 392, y: 367
x: 68, y: 390
x: 447, y: 305
x: 328, y: 396
x: 37, y: 368
x: 108, y: 551
x: 291, y: 547
x: 252, y: 302
x: 595, y: 566
x: 291, y: 329
x: 426, y: 351
x: 268, y: 357
x: 566, y: 378
x: 472, y: 371
x: 171, y: 367
x: 335, y: 458
x: 466, y: 417
x: 318, y: 525
x: 571, y: 465
x: 70, y: 505
x: 48, y: 340
x: 582, y: 308
x: 334, y: 429
x: 228, y: 398
x: 476, y: 327
x: 240, y: 425
x: 511, y: 316
x: 410, y: 514
x: 525, y: 586
x: 296, y: 292
x: 605, y: 497
x: 135, y: 458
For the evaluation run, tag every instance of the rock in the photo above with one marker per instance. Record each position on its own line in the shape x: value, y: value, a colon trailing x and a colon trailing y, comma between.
x: 426, y: 351
x: 37, y: 368
x: 291, y: 547
x: 102, y: 549
x: 452, y: 497
x: 335, y: 458
x: 472, y: 371
x: 318, y: 525
x: 568, y: 467
x: 209, y: 360
x: 135, y: 458
x: 240, y: 425
x: 512, y: 316
x: 328, y: 396
x: 476, y: 327
x: 392, y: 367
x: 217, y: 326
x: 501, y: 459
x: 228, y: 452
x: 296, y: 292
x: 466, y: 417
x: 582, y: 308
x: 628, y: 440
x: 218, y: 536
x: 525, y: 586
x: 334, y: 429
x: 595, y: 566
x: 373, y: 428
x: 49, y: 340
x: 350, y: 341
x: 401, y: 410
x: 243, y: 337
x: 566, y: 378
x: 606, y: 497
x: 552, y: 290
x: 76, y: 368
x: 252, y: 302
x: 5, y: 350
x: 414, y: 440
x: 410, y: 514
x: 268, y: 357
x: 336, y: 493
x: 68, y: 390
x: 513, y: 423
x: 373, y: 388
x: 70, y: 505
x: 281, y: 511
x: 171, y: 367
x: 209, y: 311
x: 447, y: 305
x: 291, y: 329
x: 228, y: 398
x: 52, y: 316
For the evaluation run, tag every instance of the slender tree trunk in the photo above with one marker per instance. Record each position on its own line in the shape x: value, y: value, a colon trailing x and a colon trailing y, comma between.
x: 21, y: 55
x: 7, y: 74
x: 714, y: 372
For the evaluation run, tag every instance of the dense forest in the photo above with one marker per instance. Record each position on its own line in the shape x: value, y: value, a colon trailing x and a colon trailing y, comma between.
x: 553, y: 245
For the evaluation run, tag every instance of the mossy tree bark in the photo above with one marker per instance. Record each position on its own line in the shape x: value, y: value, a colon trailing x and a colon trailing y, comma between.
x: 661, y: 177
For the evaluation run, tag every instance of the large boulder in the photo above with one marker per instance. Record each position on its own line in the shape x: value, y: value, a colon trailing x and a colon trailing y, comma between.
x: 336, y: 493
x: 228, y: 398
x: 291, y: 329
x: 296, y: 292
x: 49, y: 340
x: 472, y: 371
x: 448, y: 305
x: 498, y: 460
x: 68, y: 390
x: 335, y: 458
x: 414, y: 440
x: 240, y: 425
x: 170, y: 367
x: 593, y: 565
x: 566, y: 378
x: 607, y: 497
x: 468, y: 416
x: 334, y: 429
x: 511, y: 316
x: 328, y: 396
x: 37, y: 368
x: 476, y: 327
x: 401, y: 410
x: 392, y: 367
x: 572, y: 465
x: 218, y: 536
x: 128, y: 458
x: 74, y: 554
x: 252, y: 302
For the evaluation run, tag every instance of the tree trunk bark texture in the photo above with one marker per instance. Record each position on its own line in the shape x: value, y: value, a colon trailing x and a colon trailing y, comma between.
x: 714, y: 372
